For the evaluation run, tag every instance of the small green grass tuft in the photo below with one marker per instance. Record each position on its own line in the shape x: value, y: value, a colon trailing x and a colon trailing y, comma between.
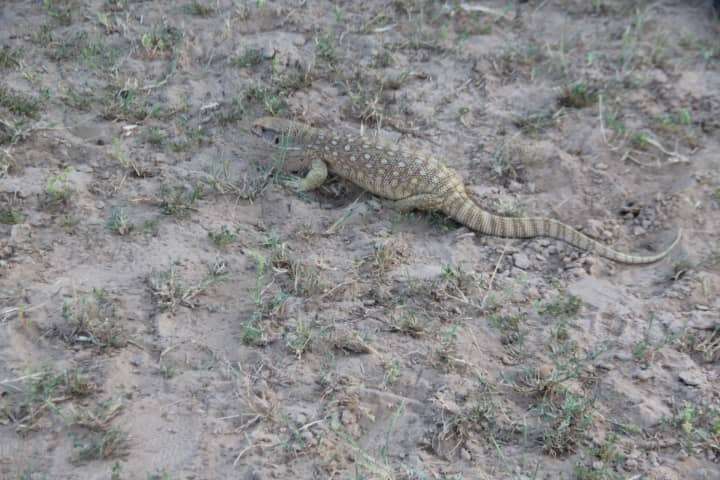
x: 304, y: 279
x: 232, y: 113
x: 300, y: 340
x: 11, y: 217
x: 171, y: 291
x: 155, y: 136
x: 179, y: 201
x: 698, y: 427
x: 569, y: 417
x: 250, y: 57
x: 58, y: 191
x: 59, y: 11
x: 326, y: 49
x: 112, y: 443
x: 10, y: 57
x: 119, y: 222
x: 640, y: 141
x: 534, y: 123
x: 272, y: 102
x: 96, y: 54
x: 510, y: 327
x: 579, y: 95
x: 408, y: 323
x: 19, y: 103
x: 222, y: 237
x: 92, y: 319
x: 125, y: 104
x: 253, y: 334
x: 564, y: 306
x: 198, y: 9
x: 79, y: 100
x: 160, y: 41
x: 40, y: 391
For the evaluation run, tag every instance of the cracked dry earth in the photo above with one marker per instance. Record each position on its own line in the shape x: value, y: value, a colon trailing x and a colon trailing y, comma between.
x: 168, y: 309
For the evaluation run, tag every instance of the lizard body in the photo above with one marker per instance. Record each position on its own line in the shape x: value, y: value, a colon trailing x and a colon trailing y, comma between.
x: 413, y: 181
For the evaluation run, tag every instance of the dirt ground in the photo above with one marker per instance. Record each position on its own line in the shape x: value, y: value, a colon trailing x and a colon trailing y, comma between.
x: 169, y: 309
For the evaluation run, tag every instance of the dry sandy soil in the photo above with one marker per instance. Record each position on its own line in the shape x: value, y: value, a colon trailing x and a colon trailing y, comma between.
x: 169, y: 309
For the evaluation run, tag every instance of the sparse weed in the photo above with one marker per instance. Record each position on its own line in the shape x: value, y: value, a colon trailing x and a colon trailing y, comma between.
x: 253, y: 334
x: 19, y: 103
x: 222, y: 237
x: 96, y: 54
x: 409, y: 324
x: 161, y: 475
x: 392, y: 372
x: 640, y: 141
x: 199, y: 9
x: 300, y: 339
x: 534, y: 123
x: 563, y: 306
x: 62, y: 15
x: 160, y: 41
x: 305, y: 279
x: 509, y: 326
x: 699, y: 427
x: 250, y: 57
x: 11, y: 217
x: 99, y: 418
x: 446, y: 351
x: 43, y: 35
x: 78, y: 100
x: 58, y: 190
x: 609, y: 452
x: 179, y: 201
x: 326, y: 49
x: 613, y: 119
x: 68, y: 222
x: 272, y: 102
x: 10, y: 57
x: 151, y: 227
x: 155, y: 136
x: 579, y: 95
x: 40, y: 391
x: 386, y: 255
x: 171, y: 291
x: 596, y: 471
x: 119, y: 222
x: 167, y: 371
x: 383, y: 59
x: 366, y: 98
x: 569, y: 417
x: 118, y: 152
x: 126, y: 104
x: 92, y: 319
x: 233, y: 113
x: 112, y: 443
x: 504, y: 163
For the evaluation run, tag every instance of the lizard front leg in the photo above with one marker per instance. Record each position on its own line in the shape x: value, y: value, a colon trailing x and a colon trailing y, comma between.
x: 315, y: 177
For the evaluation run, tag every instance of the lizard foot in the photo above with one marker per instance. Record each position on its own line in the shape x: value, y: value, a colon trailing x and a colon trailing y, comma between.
x: 296, y: 184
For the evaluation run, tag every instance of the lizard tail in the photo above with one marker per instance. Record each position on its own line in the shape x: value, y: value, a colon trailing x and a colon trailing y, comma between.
x: 461, y: 208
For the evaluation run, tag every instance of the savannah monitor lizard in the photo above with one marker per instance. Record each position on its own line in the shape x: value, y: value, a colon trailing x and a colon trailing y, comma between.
x: 413, y: 181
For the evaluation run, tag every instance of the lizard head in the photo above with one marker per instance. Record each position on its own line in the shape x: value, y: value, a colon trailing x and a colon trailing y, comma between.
x: 281, y: 133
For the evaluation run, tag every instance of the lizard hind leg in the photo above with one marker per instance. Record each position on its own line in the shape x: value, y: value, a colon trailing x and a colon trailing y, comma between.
x: 425, y: 201
x: 315, y: 177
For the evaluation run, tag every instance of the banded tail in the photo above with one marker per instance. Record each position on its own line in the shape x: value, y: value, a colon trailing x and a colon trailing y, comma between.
x: 461, y: 208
